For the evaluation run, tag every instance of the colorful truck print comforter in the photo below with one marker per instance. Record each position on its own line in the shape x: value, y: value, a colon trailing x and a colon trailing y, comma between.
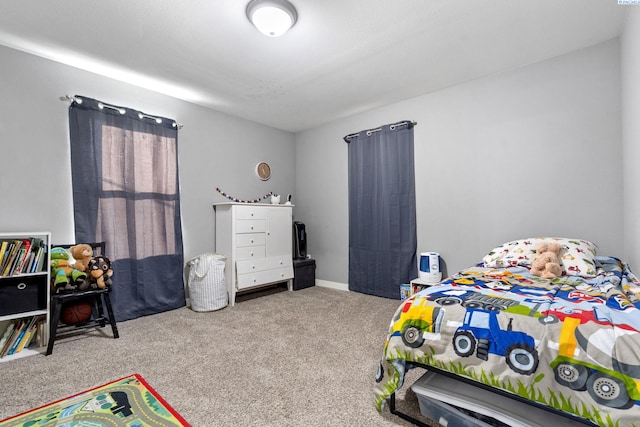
x: 571, y: 343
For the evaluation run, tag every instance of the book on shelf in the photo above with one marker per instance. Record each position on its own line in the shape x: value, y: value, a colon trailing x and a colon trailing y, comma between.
x: 32, y: 263
x: 3, y: 249
x: 41, y: 333
x: 6, y: 254
x: 35, y: 245
x: 20, y: 333
x: 17, y: 262
x: 34, y: 332
x: 26, y: 338
x: 36, y: 257
x: 26, y: 264
x: 10, y: 257
x: 42, y: 256
x: 20, y: 324
x: 6, y: 337
x: 14, y: 247
x: 22, y: 256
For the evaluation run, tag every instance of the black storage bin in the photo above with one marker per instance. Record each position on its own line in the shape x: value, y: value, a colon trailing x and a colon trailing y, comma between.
x: 23, y: 293
x: 304, y: 273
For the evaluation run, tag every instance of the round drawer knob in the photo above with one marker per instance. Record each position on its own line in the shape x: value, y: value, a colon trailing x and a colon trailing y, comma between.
x: 253, y: 267
x: 251, y: 240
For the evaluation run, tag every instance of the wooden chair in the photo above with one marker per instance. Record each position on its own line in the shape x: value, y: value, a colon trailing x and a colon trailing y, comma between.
x: 100, y: 301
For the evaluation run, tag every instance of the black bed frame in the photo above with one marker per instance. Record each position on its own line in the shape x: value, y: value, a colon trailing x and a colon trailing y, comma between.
x: 394, y: 410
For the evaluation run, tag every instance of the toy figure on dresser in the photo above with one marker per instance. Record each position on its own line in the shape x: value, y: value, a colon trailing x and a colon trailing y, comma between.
x: 100, y: 273
x: 66, y: 278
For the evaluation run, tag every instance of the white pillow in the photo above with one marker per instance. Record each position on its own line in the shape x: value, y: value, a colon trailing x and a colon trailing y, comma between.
x: 512, y: 254
x: 577, y: 256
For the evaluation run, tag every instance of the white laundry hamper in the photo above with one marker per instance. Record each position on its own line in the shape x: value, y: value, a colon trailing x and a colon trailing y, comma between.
x: 206, y: 283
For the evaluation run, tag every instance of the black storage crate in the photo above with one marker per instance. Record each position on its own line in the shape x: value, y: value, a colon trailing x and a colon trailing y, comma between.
x: 304, y: 273
x: 23, y: 293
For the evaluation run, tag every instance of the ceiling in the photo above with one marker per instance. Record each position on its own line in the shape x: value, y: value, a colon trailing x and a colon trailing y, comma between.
x: 341, y: 58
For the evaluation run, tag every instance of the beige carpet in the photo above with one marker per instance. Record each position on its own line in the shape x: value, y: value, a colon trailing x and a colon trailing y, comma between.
x: 302, y: 358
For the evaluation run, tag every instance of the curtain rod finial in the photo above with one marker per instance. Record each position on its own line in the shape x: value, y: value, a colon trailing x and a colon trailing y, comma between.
x: 70, y: 99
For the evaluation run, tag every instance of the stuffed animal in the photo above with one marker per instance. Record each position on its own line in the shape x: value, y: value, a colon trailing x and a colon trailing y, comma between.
x: 546, y: 264
x: 81, y: 253
x: 65, y: 277
x: 100, y: 272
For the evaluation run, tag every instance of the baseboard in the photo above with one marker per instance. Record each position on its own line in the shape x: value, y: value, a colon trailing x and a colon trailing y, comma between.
x: 333, y: 285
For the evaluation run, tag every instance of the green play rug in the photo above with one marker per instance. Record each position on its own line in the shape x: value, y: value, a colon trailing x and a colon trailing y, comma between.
x: 127, y: 402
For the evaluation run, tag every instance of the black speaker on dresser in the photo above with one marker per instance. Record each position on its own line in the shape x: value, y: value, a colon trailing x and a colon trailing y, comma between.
x: 299, y: 240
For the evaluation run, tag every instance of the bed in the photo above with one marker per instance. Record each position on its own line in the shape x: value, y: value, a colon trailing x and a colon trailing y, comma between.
x: 571, y: 344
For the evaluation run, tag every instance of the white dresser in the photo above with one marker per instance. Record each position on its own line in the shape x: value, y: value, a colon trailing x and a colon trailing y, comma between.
x: 256, y: 238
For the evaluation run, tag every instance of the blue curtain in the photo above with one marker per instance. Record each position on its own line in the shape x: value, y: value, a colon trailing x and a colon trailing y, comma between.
x: 124, y: 166
x: 382, y: 210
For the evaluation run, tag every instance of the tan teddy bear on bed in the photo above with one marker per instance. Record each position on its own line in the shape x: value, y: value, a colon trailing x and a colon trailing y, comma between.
x: 546, y: 264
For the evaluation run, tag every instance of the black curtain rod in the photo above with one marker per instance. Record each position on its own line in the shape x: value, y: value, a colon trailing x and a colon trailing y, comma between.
x: 78, y: 100
x: 393, y: 126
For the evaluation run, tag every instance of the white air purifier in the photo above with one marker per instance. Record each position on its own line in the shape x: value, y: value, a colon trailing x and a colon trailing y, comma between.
x: 429, y: 267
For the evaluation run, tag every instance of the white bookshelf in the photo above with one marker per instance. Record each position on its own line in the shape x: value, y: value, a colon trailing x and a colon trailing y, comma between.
x: 25, y: 295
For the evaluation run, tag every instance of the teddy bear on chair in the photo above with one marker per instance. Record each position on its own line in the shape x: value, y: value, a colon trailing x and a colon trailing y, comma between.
x: 546, y: 264
x: 82, y: 254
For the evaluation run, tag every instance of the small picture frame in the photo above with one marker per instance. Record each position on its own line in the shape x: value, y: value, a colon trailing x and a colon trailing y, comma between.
x: 263, y: 171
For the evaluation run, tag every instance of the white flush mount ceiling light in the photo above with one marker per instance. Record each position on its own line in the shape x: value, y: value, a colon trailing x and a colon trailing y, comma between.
x: 272, y: 17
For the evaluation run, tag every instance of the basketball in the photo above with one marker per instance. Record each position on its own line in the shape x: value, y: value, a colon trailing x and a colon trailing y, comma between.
x: 74, y: 313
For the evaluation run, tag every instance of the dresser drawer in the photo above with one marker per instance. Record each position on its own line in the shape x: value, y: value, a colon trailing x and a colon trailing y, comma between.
x: 255, y: 265
x: 250, y: 212
x: 23, y: 293
x: 268, y: 276
x: 250, y: 252
x: 250, y: 226
x: 250, y: 239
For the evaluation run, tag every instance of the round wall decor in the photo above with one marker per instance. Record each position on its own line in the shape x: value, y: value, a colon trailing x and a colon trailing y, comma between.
x: 263, y: 170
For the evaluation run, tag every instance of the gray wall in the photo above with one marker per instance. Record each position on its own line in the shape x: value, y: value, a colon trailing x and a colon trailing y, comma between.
x: 529, y: 152
x: 549, y: 132
x: 630, y: 60
x: 215, y: 150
